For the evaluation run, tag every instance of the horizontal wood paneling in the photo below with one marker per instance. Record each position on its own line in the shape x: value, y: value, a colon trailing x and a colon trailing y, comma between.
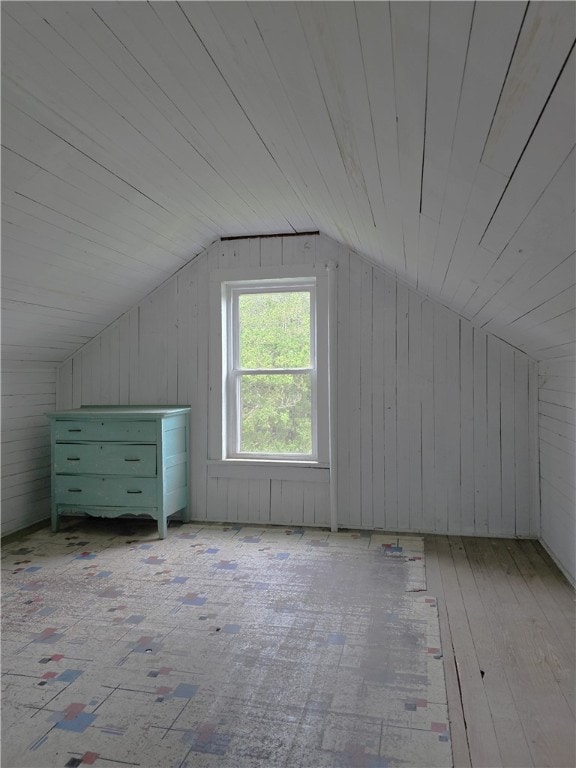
x: 433, y: 414
x: 28, y: 392
x: 557, y: 438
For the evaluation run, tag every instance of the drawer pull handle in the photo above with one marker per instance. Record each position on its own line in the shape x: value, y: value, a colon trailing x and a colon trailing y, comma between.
x: 74, y: 490
x: 70, y: 458
x: 131, y: 459
x: 74, y: 430
x: 133, y: 491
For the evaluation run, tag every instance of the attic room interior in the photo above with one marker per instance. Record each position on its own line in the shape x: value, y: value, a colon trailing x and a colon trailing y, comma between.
x: 288, y: 384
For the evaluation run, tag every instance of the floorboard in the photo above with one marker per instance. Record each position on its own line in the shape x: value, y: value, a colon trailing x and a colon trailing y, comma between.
x: 507, y: 626
x: 460, y: 747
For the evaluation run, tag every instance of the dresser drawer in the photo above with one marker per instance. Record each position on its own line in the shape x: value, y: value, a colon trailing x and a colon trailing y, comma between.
x: 105, y: 459
x: 105, y: 491
x: 105, y: 430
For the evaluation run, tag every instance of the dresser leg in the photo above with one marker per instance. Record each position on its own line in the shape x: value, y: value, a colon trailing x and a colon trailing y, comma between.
x: 55, y: 520
x: 162, y: 527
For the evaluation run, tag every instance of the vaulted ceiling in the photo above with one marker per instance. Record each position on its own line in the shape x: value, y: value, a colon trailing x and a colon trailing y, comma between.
x: 437, y: 139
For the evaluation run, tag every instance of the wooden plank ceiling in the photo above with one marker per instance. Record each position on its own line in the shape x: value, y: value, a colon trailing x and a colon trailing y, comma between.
x: 435, y: 138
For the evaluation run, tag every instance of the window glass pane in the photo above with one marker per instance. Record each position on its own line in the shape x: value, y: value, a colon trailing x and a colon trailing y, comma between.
x: 276, y: 413
x: 274, y: 329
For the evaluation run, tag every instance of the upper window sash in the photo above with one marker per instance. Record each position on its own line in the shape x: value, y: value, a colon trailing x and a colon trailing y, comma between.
x: 235, y: 292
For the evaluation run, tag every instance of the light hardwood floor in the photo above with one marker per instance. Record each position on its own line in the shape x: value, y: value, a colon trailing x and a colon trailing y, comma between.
x: 507, y: 619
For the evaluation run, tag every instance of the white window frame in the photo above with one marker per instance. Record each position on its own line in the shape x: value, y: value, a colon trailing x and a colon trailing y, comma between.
x: 224, y: 399
x: 235, y: 373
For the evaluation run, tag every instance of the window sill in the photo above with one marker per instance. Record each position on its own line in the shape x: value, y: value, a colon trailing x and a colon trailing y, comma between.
x: 270, y: 462
x: 267, y: 469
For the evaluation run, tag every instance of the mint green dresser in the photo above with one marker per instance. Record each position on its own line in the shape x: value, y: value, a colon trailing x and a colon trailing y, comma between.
x: 116, y: 460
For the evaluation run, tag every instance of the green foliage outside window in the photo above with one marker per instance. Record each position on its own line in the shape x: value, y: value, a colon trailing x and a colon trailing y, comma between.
x: 276, y: 408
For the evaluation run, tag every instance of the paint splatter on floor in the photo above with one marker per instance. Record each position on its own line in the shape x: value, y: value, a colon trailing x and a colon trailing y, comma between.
x: 220, y: 646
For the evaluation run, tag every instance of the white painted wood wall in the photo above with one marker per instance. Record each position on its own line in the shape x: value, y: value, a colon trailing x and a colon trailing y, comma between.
x: 434, y: 416
x: 28, y: 392
x: 557, y: 436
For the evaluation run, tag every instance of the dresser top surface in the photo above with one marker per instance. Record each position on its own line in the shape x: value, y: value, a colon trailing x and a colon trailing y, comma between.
x: 120, y: 412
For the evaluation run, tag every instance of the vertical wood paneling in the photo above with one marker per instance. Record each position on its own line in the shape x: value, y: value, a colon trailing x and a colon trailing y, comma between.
x: 276, y: 508
x: 259, y: 500
x: 452, y: 417
x: 243, y: 500
x: 271, y: 252
x: 557, y: 447
x: 106, y: 395
x: 294, y: 494
x: 251, y: 502
x: 211, y: 486
x: 366, y: 398
x: 507, y: 440
x: 249, y: 251
x: 428, y: 416
x: 124, y: 359
x: 390, y: 521
x: 534, y: 447
x: 494, y: 453
x: 403, y: 409
x: 415, y: 408
x: 234, y: 508
x: 158, y: 345
x: 321, y: 503
x: 222, y: 509
x: 200, y: 425
x: 378, y: 408
x: 467, y: 427
x: 308, y: 504
x: 416, y: 382
x: 133, y: 353
x: 228, y: 254
x: 187, y: 374
x: 187, y: 334
x: 521, y: 445
x: 453, y: 453
x: 92, y: 373
x: 441, y: 406
x: 343, y: 425
x: 433, y: 420
x: 300, y: 249
x: 354, y: 475
x: 64, y: 394
x: 113, y: 334
x: 76, y: 383
x: 213, y: 331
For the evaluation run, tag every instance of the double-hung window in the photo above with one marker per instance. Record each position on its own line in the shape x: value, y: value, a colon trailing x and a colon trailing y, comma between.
x: 274, y: 395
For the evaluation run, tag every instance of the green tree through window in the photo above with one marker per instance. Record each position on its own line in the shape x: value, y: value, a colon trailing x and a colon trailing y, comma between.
x: 273, y: 371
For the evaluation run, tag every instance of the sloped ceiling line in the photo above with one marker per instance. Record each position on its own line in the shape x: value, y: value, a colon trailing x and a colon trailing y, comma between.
x: 434, y: 138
